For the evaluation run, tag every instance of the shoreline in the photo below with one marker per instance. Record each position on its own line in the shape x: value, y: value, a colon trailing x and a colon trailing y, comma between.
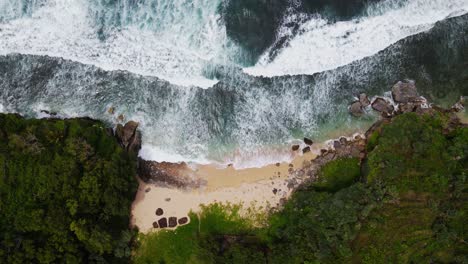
x: 259, y: 189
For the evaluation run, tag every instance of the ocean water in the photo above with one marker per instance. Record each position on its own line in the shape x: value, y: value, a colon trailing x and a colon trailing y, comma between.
x: 172, y: 66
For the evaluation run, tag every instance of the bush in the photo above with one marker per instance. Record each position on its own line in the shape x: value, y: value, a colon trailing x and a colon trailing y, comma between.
x: 338, y: 174
x: 66, y: 189
x: 412, y: 155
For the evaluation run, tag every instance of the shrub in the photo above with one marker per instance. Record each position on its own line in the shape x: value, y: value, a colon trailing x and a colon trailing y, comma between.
x: 65, y: 192
x: 338, y: 174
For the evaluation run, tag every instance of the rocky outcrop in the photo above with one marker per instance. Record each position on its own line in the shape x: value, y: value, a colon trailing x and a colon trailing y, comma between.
x: 340, y: 148
x: 167, y: 174
x: 128, y: 136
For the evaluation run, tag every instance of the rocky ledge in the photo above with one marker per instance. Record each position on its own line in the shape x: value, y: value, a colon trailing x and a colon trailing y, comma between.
x: 168, y: 174
x: 405, y: 99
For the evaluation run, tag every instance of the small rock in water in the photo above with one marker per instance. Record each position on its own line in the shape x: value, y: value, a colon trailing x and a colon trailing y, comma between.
x: 167, y: 199
x: 172, y: 221
x: 159, y: 211
x: 278, y: 164
x: 162, y: 222
x: 275, y: 191
x: 111, y: 110
x: 120, y: 118
x: 308, y: 141
x: 155, y: 225
x: 291, y: 165
x: 305, y: 150
x: 295, y: 147
x: 183, y: 220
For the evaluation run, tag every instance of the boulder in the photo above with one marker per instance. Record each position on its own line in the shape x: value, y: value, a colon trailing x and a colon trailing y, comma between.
x: 182, y: 220
x: 404, y: 92
x: 355, y: 109
x: 172, y: 221
x: 162, y: 222
x: 364, y: 100
x: 159, y: 211
x: 382, y: 106
x: 305, y: 150
x: 295, y: 147
x: 308, y: 141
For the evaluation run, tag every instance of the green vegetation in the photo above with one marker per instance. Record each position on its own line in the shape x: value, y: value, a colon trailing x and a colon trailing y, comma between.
x: 201, y: 239
x: 65, y: 192
x: 338, y: 174
x: 406, y: 203
x: 66, y: 188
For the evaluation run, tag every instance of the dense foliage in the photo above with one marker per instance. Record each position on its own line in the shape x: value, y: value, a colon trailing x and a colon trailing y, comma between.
x: 405, y: 203
x: 65, y: 192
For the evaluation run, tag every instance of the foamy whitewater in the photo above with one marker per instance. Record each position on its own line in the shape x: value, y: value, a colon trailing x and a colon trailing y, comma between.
x: 171, y: 39
x: 242, y: 120
x: 324, y: 46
